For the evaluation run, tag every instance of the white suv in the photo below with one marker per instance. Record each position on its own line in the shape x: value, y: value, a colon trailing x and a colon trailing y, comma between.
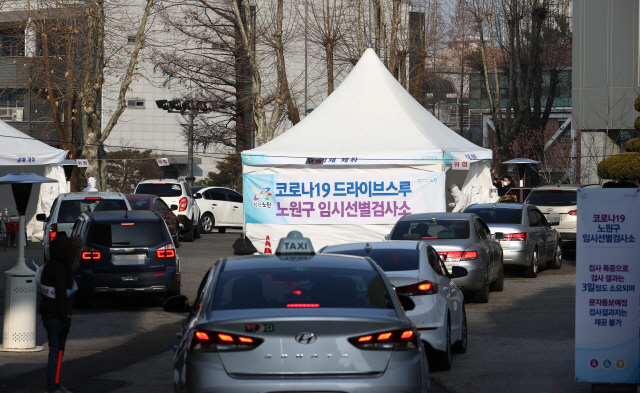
x: 559, y: 203
x: 67, y: 207
x: 176, y: 192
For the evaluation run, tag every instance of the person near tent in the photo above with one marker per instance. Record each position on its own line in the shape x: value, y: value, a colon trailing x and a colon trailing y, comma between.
x: 55, y: 279
x: 476, y: 194
x: 460, y: 199
x: 507, y: 183
x: 493, y: 195
x: 92, y: 185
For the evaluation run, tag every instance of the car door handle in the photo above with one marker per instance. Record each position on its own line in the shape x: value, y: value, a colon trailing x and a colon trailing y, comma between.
x: 213, y: 204
x: 236, y: 207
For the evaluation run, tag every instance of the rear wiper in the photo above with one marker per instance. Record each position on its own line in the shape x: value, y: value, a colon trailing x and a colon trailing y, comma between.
x: 123, y: 243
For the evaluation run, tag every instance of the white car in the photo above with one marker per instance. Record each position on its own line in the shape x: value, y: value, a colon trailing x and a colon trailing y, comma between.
x: 67, y: 207
x: 221, y: 208
x: 415, y: 269
x: 176, y: 192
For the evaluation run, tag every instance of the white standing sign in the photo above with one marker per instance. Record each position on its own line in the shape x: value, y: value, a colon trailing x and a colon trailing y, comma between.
x: 162, y: 161
x: 607, y: 283
x: 82, y: 163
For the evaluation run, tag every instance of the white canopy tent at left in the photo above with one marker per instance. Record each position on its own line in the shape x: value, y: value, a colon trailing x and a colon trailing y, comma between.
x: 21, y: 153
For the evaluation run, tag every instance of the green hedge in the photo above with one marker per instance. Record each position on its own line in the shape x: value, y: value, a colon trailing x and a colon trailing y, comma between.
x: 633, y: 145
x: 623, y: 166
x: 636, y: 103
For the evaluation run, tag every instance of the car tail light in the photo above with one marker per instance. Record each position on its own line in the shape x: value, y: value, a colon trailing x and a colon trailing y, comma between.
x: 91, y: 254
x: 421, y: 288
x: 183, y: 204
x: 392, y: 339
x: 92, y: 198
x: 166, y: 252
x: 573, y: 213
x: 222, y: 342
x: 53, y: 231
x: 456, y: 256
x: 516, y: 236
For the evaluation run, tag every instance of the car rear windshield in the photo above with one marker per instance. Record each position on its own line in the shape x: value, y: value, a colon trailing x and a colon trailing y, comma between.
x: 71, y: 209
x: 431, y: 229
x: 388, y: 260
x: 497, y: 215
x: 553, y: 198
x: 164, y: 189
x: 300, y: 287
x: 139, y: 204
x: 132, y: 234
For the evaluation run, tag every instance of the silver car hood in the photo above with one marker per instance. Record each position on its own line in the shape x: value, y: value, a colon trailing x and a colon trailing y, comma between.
x: 282, y: 355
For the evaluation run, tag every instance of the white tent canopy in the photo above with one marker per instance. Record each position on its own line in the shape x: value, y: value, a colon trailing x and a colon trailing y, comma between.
x: 372, y: 116
x: 369, y: 129
x: 21, y: 153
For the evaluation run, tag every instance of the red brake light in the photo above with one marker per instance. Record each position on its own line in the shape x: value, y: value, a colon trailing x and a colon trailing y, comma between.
x: 166, y: 252
x: 421, y: 288
x: 573, y: 213
x: 469, y: 255
x: 92, y: 198
x: 90, y: 254
x: 52, y: 235
x: 455, y: 256
x: 159, y: 182
x: 183, y: 204
x: 297, y: 292
x: 127, y: 223
x: 398, y: 339
x: 216, y: 341
x: 302, y: 305
x: 516, y: 236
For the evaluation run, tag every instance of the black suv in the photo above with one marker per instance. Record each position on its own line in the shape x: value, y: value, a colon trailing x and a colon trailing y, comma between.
x: 126, y: 252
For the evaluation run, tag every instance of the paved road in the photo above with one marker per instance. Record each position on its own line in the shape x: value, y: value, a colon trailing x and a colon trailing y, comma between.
x: 521, y: 341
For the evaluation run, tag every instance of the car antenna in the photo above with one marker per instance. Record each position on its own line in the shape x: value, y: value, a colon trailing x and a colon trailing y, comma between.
x: 368, y: 248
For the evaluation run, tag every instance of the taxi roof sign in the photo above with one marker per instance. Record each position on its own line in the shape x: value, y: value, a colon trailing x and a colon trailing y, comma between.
x: 295, y: 244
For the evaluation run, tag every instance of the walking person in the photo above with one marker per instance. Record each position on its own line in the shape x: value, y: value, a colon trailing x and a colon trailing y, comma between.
x: 57, y: 285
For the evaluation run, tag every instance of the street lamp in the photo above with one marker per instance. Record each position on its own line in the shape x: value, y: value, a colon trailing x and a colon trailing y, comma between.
x: 189, y: 110
x: 19, y: 329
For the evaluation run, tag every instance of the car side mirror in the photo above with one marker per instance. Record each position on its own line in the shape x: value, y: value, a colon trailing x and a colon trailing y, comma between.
x: 41, y: 217
x: 499, y: 236
x: 458, y: 271
x: 197, y: 195
x: 406, y: 302
x: 178, y: 303
x: 174, y: 207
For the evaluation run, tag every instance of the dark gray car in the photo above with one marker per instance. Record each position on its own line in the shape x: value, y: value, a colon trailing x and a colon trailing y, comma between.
x: 462, y: 239
x: 529, y: 238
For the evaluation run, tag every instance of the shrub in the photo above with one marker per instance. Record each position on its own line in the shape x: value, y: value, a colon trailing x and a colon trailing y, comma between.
x: 633, y: 145
x: 623, y: 166
x: 636, y: 103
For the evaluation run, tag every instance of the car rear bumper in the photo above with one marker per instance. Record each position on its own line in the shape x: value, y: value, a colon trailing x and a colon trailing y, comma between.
x: 473, y: 281
x: 404, y: 373
x: 516, y: 257
x: 129, y: 283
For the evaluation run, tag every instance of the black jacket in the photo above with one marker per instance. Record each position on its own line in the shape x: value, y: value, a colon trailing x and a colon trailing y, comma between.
x: 56, y: 273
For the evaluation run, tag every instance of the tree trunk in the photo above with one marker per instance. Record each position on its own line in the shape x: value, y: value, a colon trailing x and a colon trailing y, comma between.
x: 393, y: 50
x: 329, y: 54
x: 358, y: 10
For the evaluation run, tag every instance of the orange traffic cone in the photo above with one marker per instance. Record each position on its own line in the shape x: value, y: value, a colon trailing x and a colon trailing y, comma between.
x: 267, y: 246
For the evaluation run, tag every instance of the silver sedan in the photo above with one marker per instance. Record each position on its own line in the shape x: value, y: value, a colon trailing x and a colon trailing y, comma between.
x: 304, y: 322
x: 529, y: 238
x: 464, y: 240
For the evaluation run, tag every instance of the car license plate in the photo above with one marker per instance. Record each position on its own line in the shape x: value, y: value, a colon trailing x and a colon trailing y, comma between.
x: 128, y: 259
x: 553, y: 218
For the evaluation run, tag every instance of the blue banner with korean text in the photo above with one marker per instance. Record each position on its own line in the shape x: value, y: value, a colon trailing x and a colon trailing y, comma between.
x: 607, y: 349
x: 341, y: 198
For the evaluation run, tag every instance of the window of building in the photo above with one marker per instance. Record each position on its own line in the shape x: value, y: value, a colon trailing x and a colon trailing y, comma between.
x: 139, y: 104
x: 11, y: 41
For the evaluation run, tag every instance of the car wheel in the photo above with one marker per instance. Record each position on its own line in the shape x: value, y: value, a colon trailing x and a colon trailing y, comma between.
x: 188, y: 236
x: 532, y: 270
x: 498, y: 284
x: 208, y: 222
x: 556, y: 262
x: 222, y: 229
x: 461, y: 345
x: 197, y: 230
x: 482, y: 296
x: 443, y: 358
